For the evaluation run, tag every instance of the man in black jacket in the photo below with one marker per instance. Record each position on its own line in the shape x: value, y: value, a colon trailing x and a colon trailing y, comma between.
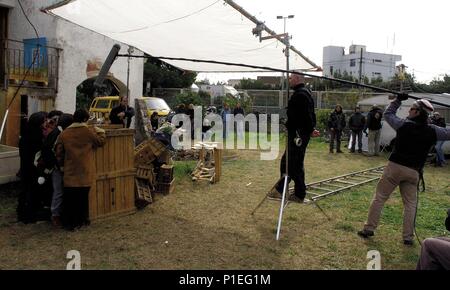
x: 356, y: 124
x: 336, y: 124
x: 122, y: 114
x: 301, y: 127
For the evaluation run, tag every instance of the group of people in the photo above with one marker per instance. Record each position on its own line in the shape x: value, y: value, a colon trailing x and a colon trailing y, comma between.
x: 358, y: 125
x: 56, y: 168
x: 237, y: 110
x: 415, y: 136
x: 226, y: 111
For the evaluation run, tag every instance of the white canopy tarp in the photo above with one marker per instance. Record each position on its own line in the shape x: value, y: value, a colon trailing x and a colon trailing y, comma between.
x: 194, y: 29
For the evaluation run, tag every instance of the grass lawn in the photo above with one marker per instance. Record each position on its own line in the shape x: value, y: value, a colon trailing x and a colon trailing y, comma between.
x: 203, y: 226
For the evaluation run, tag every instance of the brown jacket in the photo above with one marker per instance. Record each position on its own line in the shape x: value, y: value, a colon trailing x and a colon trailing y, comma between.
x: 76, y: 147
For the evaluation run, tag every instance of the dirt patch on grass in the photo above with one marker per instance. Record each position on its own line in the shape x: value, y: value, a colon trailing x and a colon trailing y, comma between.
x: 203, y: 226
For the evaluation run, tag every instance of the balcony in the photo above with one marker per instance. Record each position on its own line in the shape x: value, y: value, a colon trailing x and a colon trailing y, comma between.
x: 30, y: 62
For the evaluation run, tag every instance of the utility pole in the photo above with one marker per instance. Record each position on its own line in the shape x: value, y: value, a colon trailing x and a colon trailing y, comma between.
x: 360, y: 67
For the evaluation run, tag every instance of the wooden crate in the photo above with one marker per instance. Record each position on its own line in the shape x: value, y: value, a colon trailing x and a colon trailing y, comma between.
x: 113, y: 191
x: 165, y: 188
x: 165, y: 174
x: 143, y: 193
x: 110, y: 126
x: 148, y: 151
x: 146, y: 172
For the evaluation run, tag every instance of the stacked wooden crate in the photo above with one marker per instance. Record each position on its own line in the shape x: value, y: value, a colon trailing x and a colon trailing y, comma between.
x: 166, y: 180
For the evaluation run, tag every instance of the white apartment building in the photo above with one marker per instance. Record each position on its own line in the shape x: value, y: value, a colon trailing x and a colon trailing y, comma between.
x: 372, y: 65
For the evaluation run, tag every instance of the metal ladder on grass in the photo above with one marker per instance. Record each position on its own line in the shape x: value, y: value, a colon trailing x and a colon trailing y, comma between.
x: 322, y: 189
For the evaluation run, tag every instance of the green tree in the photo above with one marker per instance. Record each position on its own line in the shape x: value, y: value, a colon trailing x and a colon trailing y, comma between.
x: 163, y: 75
x: 251, y: 84
x: 197, y: 99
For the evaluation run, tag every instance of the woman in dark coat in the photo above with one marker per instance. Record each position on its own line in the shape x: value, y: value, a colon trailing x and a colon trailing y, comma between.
x: 30, y: 143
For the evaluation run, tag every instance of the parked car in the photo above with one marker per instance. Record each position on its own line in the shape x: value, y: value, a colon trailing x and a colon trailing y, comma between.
x: 156, y: 105
x: 102, y: 106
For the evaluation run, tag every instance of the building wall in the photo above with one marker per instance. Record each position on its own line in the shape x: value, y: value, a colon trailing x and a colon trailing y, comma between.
x: 374, y: 65
x: 82, y: 46
x: 79, y: 47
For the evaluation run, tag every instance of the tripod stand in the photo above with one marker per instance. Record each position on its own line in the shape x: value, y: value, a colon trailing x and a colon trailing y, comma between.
x: 285, y: 177
x: 284, y: 195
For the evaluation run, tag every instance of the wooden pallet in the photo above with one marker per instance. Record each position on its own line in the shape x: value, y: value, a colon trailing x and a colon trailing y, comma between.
x: 209, y: 166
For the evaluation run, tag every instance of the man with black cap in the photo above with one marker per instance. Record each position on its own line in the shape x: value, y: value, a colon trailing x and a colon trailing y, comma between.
x: 414, y: 139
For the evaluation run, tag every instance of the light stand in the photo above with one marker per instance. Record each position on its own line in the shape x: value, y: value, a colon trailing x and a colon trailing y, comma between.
x: 286, y: 175
x: 285, y: 38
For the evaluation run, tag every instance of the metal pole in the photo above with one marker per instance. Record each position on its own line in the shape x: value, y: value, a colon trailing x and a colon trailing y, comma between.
x: 128, y: 79
x: 283, y: 199
x: 4, y: 123
x: 286, y: 178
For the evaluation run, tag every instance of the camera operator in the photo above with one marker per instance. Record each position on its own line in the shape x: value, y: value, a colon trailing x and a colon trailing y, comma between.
x: 122, y: 114
x: 435, y: 254
x: 300, y: 125
x: 415, y: 137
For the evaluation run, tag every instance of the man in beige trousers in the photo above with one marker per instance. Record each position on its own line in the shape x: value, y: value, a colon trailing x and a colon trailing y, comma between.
x: 414, y: 139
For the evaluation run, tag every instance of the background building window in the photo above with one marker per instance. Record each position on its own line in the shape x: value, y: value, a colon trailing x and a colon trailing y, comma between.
x: 353, y: 62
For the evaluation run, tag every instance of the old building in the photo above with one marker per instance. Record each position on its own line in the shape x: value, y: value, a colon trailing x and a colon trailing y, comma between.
x: 42, y: 66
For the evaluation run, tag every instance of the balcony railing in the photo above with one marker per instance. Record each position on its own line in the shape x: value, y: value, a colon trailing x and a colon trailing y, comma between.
x: 36, y: 65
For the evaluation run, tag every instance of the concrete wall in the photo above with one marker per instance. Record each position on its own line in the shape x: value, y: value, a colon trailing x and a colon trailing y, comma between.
x: 20, y: 28
x: 79, y: 46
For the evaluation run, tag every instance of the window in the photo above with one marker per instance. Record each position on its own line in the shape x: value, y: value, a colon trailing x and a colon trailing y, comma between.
x: 377, y: 60
x: 102, y: 104
x: 376, y: 74
x: 353, y: 62
x: 331, y: 70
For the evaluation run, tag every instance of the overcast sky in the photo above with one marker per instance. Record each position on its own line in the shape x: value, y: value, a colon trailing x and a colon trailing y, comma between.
x: 416, y: 30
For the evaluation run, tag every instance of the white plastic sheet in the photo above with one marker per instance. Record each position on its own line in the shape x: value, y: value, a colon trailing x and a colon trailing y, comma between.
x: 194, y: 29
